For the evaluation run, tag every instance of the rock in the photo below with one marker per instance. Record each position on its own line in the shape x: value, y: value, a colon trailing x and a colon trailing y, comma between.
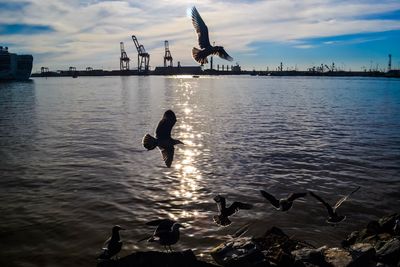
x: 387, y: 223
x: 157, y: 259
x: 390, y: 252
x: 277, y: 247
x: 239, y: 252
x: 374, y: 228
x: 307, y: 255
x: 284, y: 260
x: 337, y: 257
x: 351, y: 239
x: 362, y: 254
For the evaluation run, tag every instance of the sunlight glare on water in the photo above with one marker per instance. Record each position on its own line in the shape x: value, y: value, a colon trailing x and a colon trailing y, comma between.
x: 72, y: 163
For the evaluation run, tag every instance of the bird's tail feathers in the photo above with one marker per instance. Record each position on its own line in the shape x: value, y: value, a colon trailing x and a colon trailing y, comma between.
x: 149, y: 142
x: 196, y: 56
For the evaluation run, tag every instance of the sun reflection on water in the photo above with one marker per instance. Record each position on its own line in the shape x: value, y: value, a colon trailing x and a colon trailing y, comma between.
x: 185, y: 165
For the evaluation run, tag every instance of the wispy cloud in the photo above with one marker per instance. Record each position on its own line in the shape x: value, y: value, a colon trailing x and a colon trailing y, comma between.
x: 89, y: 32
x: 305, y: 46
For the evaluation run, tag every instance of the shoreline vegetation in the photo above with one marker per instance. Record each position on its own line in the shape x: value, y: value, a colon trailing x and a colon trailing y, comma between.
x: 377, y: 245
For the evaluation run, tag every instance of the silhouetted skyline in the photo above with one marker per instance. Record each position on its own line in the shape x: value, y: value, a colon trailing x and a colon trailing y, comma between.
x: 258, y: 34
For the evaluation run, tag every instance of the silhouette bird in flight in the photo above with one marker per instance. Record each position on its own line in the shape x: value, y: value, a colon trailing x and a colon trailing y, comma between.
x: 112, y: 246
x: 333, y: 216
x: 163, y: 139
x: 224, y: 212
x: 166, y: 233
x: 200, y: 55
x: 283, y: 204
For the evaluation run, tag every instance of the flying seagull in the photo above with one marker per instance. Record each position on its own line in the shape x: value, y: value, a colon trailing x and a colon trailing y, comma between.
x: 200, y: 55
x: 334, y: 218
x: 112, y: 245
x: 282, y: 204
x: 163, y: 139
x: 166, y: 233
x: 225, y: 212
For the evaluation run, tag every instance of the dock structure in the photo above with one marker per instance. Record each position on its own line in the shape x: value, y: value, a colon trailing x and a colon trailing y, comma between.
x: 167, y: 56
x: 143, y: 57
x: 124, y: 59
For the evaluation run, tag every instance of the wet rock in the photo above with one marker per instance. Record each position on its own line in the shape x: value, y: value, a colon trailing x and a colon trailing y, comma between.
x: 381, y: 240
x: 351, y: 239
x: 239, y: 252
x: 157, y: 259
x: 387, y: 223
x: 390, y: 252
x: 284, y: 260
x: 362, y: 255
x: 310, y: 256
x: 337, y: 257
x: 277, y: 247
x: 374, y: 228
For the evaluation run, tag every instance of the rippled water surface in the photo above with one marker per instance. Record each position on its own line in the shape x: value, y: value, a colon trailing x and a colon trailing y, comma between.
x: 72, y: 164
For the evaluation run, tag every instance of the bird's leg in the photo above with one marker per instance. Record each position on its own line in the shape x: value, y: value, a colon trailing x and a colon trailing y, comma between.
x: 171, y: 249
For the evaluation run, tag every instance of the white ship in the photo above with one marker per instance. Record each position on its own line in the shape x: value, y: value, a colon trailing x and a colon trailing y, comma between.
x: 13, y: 66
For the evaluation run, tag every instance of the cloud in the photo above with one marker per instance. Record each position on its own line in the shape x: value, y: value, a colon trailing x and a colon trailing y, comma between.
x: 88, y: 32
x: 305, y: 46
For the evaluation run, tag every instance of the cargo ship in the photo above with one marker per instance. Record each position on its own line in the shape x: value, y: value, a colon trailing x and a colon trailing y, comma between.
x: 13, y: 66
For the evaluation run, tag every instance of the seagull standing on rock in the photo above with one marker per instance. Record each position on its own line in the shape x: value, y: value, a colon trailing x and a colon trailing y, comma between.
x: 113, y: 245
x: 166, y: 233
x: 224, y: 212
x: 200, y: 55
x: 163, y: 139
x: 334, y: 218
x: 283, y: 204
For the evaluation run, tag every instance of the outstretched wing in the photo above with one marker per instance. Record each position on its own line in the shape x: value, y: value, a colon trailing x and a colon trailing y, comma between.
x: 295, y: 196
x: 222, y: 54
x: 328, y: 207
x: 270, y: 198
x: 343, y: 199
x: 168, y: 155
x: 237, y: 206
x: 221, y: 202
x: 201, y: 29
x: 165, y: 125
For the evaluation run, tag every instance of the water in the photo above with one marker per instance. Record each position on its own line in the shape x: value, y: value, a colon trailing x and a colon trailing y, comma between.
x: 72, y: 164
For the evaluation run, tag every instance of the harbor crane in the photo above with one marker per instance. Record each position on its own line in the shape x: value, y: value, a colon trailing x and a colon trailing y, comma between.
x: 124, y: 59
x: 143, y: 56
x: 167, y: 56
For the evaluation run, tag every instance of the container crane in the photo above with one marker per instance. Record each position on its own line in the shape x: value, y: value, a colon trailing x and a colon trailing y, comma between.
x: 124, y: 59
x: 167, y: 56
x: 143, y: 56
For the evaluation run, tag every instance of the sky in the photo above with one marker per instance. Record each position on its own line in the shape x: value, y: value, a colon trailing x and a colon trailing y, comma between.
x: 354, y: 34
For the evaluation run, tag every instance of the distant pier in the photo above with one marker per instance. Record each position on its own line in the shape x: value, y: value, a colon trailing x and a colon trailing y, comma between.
x: 197, y: 70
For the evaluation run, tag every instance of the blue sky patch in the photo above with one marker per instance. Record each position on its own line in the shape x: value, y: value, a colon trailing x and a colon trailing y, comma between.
x: 13, y: 6
x: 24, y: 29
x: 393, y: 15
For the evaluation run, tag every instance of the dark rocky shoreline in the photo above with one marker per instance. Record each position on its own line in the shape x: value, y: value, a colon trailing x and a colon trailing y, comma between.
x: 377, y: 245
